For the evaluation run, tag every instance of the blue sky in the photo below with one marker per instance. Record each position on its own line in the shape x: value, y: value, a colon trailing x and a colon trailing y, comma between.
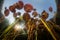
x: 40, y: 5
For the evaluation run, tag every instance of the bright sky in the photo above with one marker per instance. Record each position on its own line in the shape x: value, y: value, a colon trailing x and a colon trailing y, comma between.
x: 40, y: 5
